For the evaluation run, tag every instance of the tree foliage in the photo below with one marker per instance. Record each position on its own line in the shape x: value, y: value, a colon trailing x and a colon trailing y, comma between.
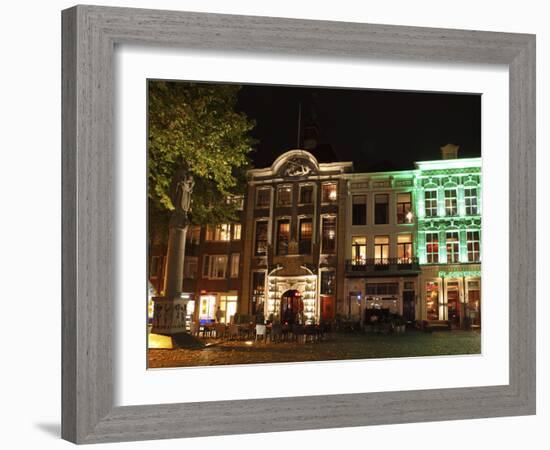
x: 196, y: 129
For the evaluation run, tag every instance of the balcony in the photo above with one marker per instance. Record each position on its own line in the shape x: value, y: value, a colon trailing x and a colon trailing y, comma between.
x: 382, y: 267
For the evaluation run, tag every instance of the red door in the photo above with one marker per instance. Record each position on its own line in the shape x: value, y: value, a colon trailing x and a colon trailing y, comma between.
x: 327, y: 308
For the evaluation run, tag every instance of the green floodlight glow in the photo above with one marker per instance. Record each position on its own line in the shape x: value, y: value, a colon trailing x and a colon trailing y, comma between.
x: 460, y: 172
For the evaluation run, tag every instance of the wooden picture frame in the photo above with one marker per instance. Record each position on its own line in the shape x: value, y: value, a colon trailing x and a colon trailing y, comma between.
x: 89, y: 37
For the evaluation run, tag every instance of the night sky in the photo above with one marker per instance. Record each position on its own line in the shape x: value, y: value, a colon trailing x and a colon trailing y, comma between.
x: 376, y: 130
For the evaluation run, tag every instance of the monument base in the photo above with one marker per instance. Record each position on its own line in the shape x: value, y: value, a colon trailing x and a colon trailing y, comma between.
x: 169, y: 316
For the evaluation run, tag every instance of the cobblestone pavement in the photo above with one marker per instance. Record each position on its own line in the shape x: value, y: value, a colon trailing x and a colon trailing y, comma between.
x: 337, y: 347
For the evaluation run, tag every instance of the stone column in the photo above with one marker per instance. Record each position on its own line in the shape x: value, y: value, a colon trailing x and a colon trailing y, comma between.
x: 171, y: 310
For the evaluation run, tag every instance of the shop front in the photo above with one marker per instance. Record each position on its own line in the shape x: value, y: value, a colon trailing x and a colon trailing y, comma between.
x: 396, y: 295
x: 210, y: 303
x: 452, y: 293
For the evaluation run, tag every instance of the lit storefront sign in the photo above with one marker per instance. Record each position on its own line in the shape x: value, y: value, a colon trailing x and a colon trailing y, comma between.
x: 459, y: 273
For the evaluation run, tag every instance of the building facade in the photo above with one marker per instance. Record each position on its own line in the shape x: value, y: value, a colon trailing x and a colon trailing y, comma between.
x: 449, y: 206
x: 293, y: 261
x: 316, y: 241
x: 381, y: 244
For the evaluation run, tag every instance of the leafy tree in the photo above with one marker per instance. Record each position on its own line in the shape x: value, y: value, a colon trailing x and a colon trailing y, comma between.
x: 195, y: 129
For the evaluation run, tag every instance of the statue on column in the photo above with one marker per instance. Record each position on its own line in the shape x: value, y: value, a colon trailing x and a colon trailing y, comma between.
x: 184, y: 188
x: 171, y: 310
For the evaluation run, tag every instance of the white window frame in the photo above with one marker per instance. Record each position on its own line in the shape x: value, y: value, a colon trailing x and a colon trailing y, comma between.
x: 262, y: 188
x: 469, y: 198
x: 430, y: 208
x: 211, y: 273
x: 186, y: 265
x: 236, y: 226
x: 454, y: 209
x: 428, y: 254
x: 454, y: 243
x: 329, y: 216
x: 327, y: 183
x: 280, y: 187
x: 468, y: 241
x: 303, y: 185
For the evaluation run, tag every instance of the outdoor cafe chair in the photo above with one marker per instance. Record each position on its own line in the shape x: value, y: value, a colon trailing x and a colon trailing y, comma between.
x: 261, y: 330
x: 233, y: 331
x: 220, y: 330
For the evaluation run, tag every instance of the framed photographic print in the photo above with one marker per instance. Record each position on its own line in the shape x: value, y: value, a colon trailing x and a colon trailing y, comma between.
x: 265, y: 229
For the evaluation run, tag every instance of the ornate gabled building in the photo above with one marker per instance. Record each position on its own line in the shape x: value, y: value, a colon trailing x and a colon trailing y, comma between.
x: 293, y: 251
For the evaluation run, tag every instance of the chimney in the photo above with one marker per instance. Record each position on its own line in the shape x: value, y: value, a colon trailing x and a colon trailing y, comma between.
x: 449, y: 151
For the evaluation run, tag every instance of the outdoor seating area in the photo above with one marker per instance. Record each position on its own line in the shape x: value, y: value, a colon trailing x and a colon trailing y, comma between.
x: 268, y: 332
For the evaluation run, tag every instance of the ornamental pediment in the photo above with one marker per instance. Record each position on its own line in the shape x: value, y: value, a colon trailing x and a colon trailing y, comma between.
x: 297, y: 167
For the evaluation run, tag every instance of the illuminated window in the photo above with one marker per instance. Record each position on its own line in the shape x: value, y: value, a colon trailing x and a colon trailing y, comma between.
x: 404, y: 210
x: 404, y: 248
x: 329, y: 193
x: 470, y: 201
x: 432, y: 247
x: 472, y: 243
x: 261, y: 238
x: 263, y: 197
x: 190, y: 267
x: 258, y: 292
x: 451, y: 208
x: 218, y: 232
x: 432, y: 300
x: 237, y: 231
x: 430, y: 203
x: 328, y: 282
x: 234, y: 271
x: 284, y: 195
x: 214, y: 266
x: 381, y: 249
x: 358, y: 250
x: 283, y: 236
x: 306, y: 194
x: 359, y: 210
x: 193, y: 234
x: 228, y: 306
x: 453, y: 244
x: 328, y: 244
x: 381, y: 209
x: 305, y: 235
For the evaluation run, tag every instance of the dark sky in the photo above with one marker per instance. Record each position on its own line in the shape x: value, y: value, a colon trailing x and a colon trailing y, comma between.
x: 376, y: 130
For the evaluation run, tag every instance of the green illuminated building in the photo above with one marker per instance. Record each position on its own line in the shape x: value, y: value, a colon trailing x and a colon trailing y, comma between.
x: 422, y: 257
x: 448, y: 211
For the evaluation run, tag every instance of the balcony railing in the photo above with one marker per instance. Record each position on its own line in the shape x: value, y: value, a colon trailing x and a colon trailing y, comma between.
x: 382, y: 266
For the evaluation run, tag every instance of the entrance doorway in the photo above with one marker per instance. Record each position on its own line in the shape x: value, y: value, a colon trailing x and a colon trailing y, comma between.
x: 292, y: 307
x: 453, y: 303
x: 408, y: 306
x: 327, y: 308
